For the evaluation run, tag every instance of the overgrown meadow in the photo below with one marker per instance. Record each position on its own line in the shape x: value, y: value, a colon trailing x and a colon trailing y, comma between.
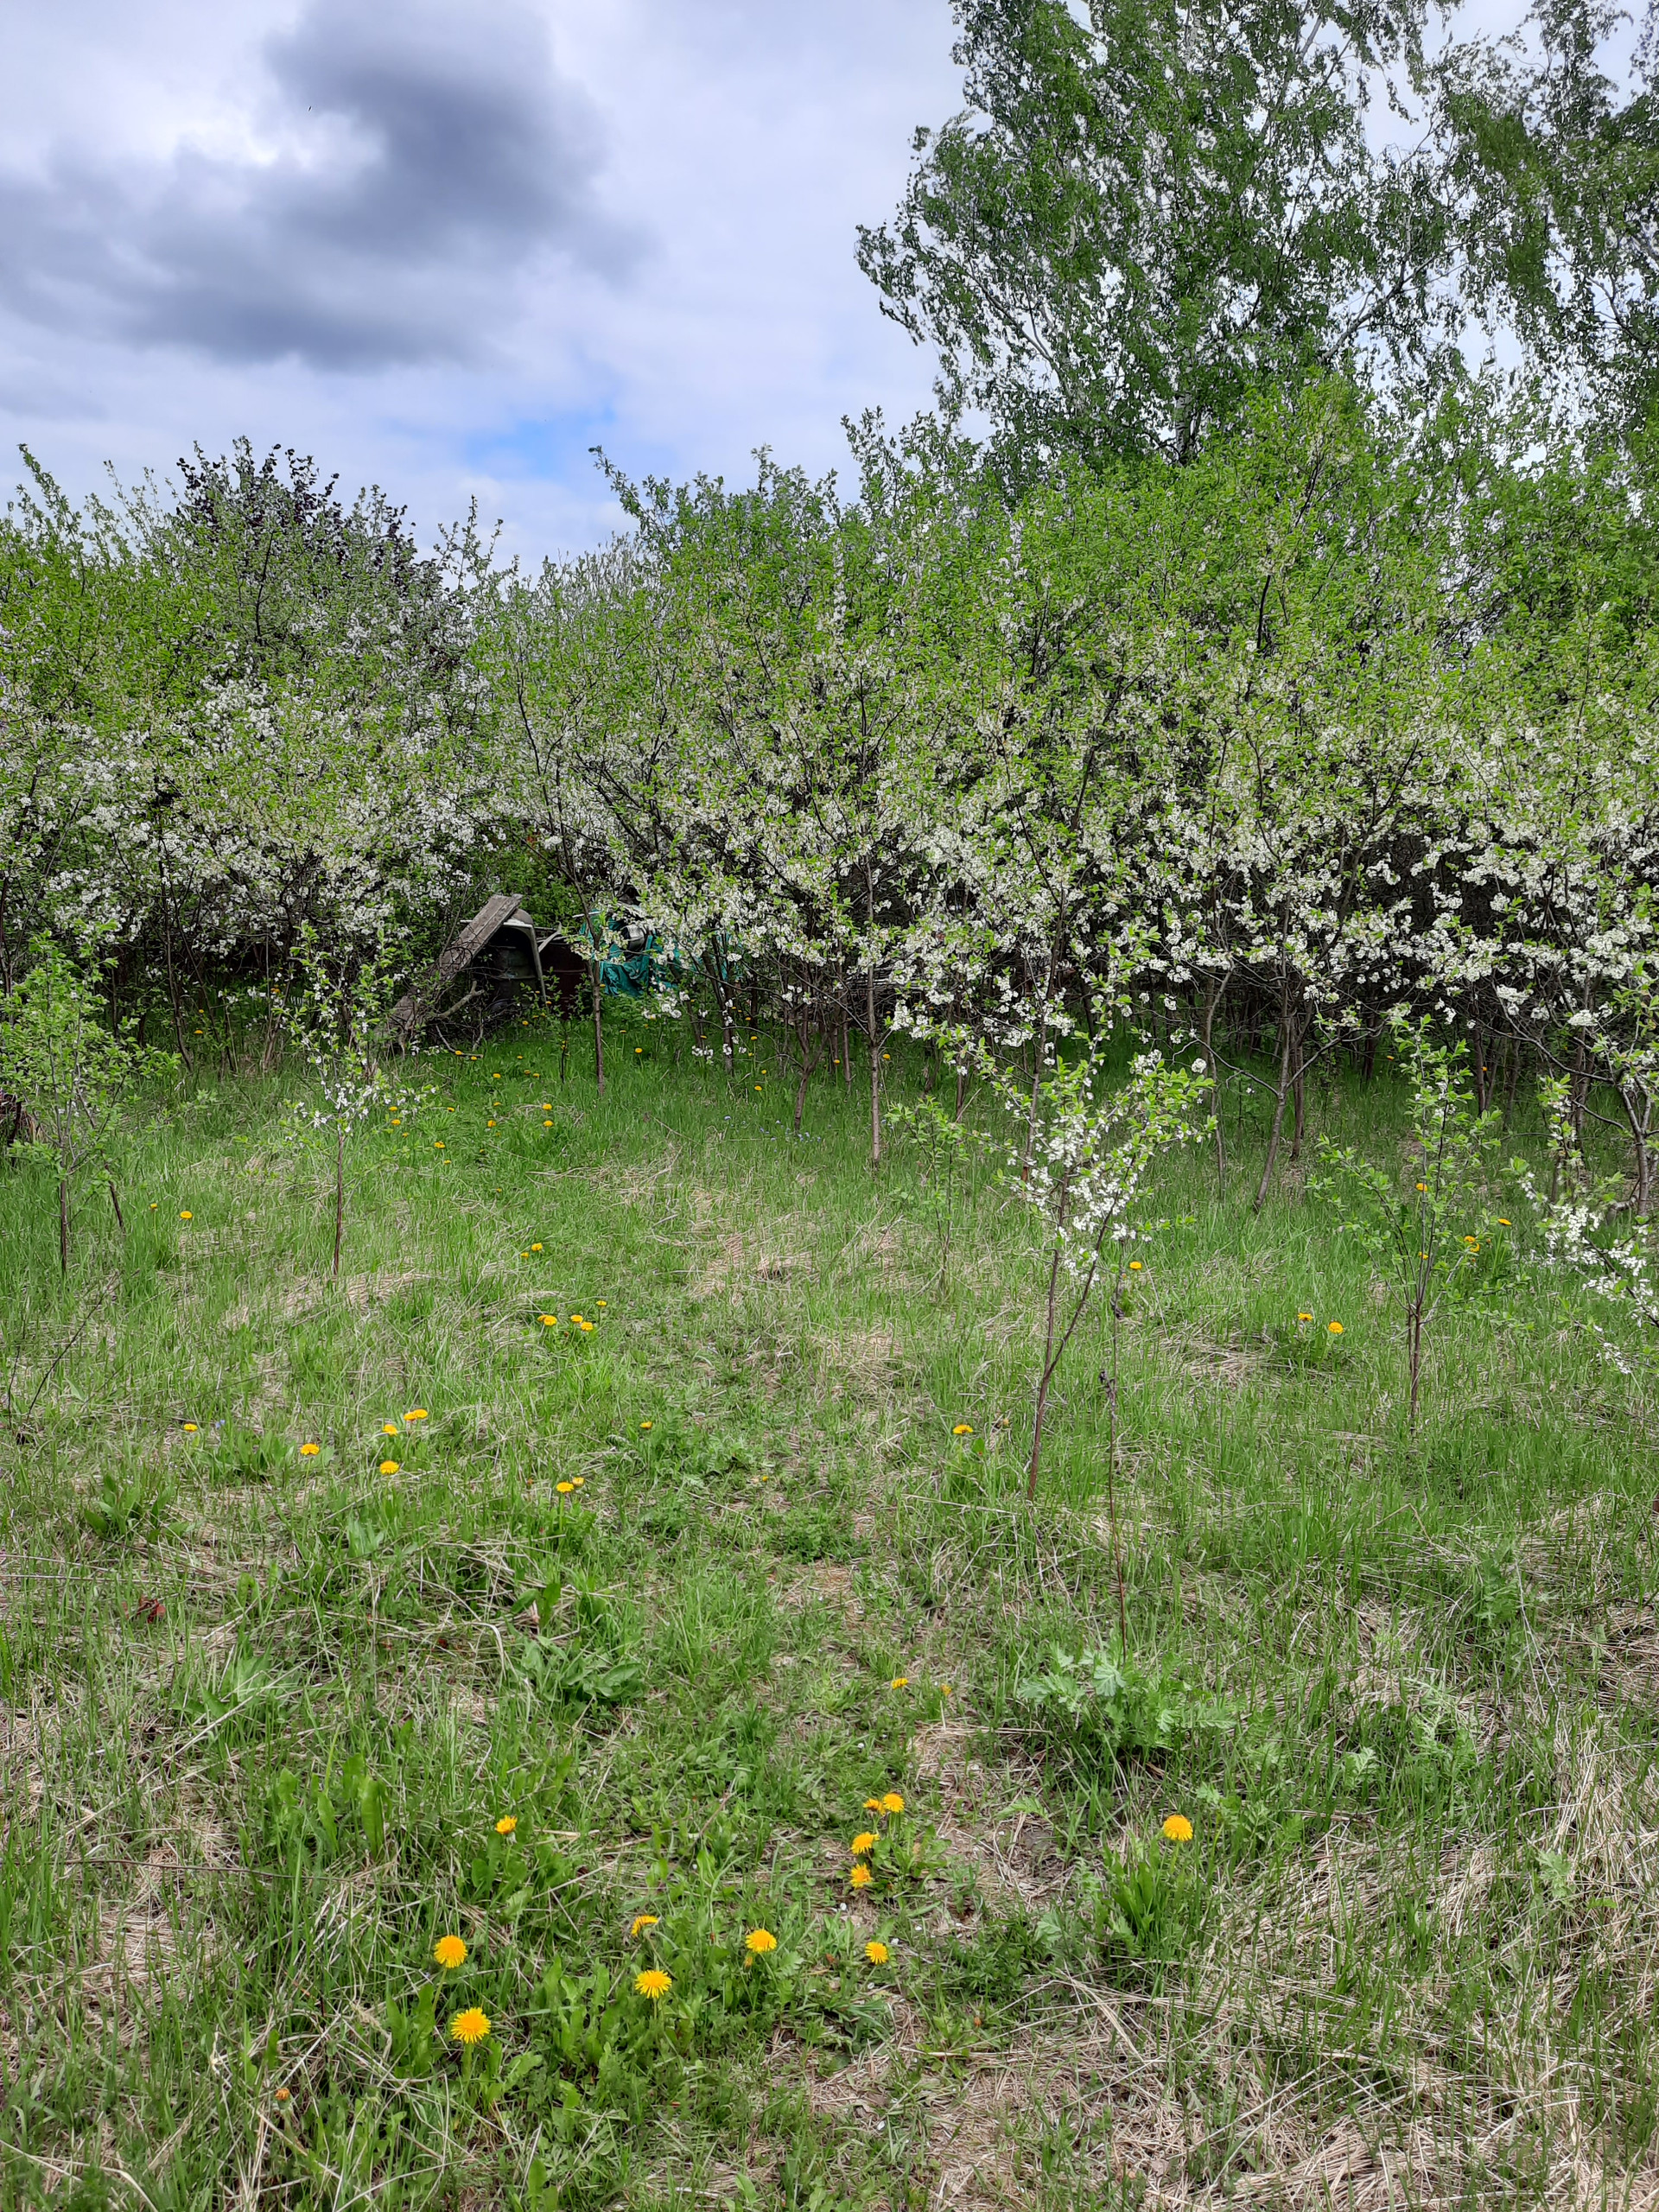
x: 621, y: 1585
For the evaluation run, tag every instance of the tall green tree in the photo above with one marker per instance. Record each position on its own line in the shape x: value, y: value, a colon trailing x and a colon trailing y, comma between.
x: 1148, y: 210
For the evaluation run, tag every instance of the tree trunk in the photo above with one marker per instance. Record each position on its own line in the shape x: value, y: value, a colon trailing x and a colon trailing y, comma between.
x: 1298, y: 1093
x: 1278, y: 1114
x: 1047, y: 1374
x: 598, y: 1026
x: 1211, y: 1000
x: 63, y: 1224
x: 120, y: 1219
x: 875, y: 1071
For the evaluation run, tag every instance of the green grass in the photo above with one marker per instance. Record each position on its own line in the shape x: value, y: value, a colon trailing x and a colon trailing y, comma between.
x: 261, y: 1712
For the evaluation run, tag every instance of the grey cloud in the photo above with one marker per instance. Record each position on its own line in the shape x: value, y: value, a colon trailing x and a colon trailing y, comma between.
x: 444, y: 158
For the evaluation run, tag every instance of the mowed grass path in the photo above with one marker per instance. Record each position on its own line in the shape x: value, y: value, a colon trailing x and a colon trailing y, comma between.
x: 262, y: 1709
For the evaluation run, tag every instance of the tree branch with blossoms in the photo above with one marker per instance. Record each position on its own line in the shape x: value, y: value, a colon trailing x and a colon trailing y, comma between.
x: 1090, y: 1157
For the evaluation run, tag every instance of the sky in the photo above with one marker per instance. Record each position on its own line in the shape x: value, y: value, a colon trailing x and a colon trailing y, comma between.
x: 450, y: 245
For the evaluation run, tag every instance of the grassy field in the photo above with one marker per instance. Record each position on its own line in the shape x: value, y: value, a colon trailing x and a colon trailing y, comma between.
x: 681, y: 1593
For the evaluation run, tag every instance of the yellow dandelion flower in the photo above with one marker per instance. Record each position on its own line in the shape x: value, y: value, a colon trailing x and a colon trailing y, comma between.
x: 944, y: 1690
x: 864, y: 1844
x: 449, y: 1952
x: 577, y: 1481
x: 876, y: 1954
x: 191, y: 1428
x: 646, y: 1425
x: 587, y: 1327
x: 282, y: 2095
x: 1334, y: 1328
x: 641, y: 1922
x: 471, y: 2026
x: 389, y: 1466
x: 872, y: 1804
x: 759, y: 1941
x: 1504, y: 1224
x: 892, y: 1802
x: 1179, y: 1829
x: 1135, y: 1266
x: 535, y: 1247
x: 1422, y: 1186
x: 1304, y: 1316
x: 489, y: 1125
x: 576, y: 1317
x: 506, y: 1824
x: 861, y: 1877
x: 564, y: 1489
x: 962, y: 1428
x: 309, y: 1450
x: 187, y: 1217
x: 388, y: 1428
x: 550, y: 1320
x: 653, y: 1983
x: 415, y: 1413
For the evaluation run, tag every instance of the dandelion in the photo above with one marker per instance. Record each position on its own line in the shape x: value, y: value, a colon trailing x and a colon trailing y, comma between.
x: 759, y: 1941
x: 653, y: 1983
x: 471, y: 2026
x: 876, y: 1954
x: 646, y: 1425
x: 187, y: 1217
x: 577, y: 1481
x: 389, y: 1466
x: 1422, y: 1186
x: 388, y: 1428
x: 861, y: 1877
x: 506, y: 1824
x: 872, y: 1804
x: 863, y: 1844
x: 1472, y: 1243
x: 576, y: 1317
x: 641, y: 1922
x: 535, y: 1247
x: 449, y: 1952
x: 899, y: 1682
x: 489, y: 1125
x: 1135, y: 1266
x: 191, y: 1427
x: 962, y: 1428
x: 601, y: 1305
x: 1304, y: 1316
x: 1504, y: 1224
x: 1179, y: 1829
x: 892, y: 1802
x: 309, y: 1450
x: 944, y: 1690
x: 587, y: 1327
x: 415, y: 1413
x: 282, y: 2095
x: 550, y: 1320
x: 564, y: 1489
x: 1334, y: 1328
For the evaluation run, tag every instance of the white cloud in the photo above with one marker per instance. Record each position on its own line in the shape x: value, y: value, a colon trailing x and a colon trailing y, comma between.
x: 419, y: 242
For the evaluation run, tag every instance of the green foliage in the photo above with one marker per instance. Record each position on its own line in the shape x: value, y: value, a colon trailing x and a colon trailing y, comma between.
x: 1430, y: 1237
x: 75, y: 1076
x: 1096, y: 1707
